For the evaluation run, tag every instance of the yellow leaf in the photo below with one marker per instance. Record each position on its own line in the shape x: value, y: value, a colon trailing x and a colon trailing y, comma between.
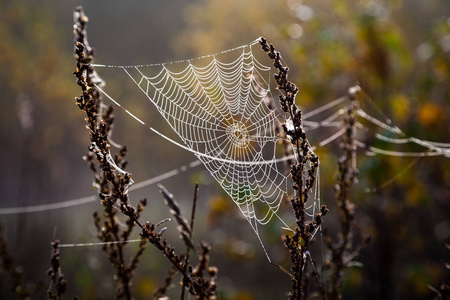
x: 431, y: 114
x: 400, y: 105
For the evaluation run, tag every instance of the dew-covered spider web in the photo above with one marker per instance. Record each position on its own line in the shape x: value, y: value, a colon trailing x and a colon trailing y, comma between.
x: 222, y: 110
x: 219, y: 107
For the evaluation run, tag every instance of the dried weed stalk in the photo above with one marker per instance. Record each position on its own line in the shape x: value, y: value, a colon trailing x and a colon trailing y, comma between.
x: 343, y: 251
x: 306, y: 162
x: 113, y: 184
x: 19, y: 288
x: 59, y: 283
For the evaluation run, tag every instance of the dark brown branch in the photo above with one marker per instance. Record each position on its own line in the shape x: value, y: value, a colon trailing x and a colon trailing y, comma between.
x: 341, y: 251
x: 55, y: 273
x: 306, y: 163
x: 189, y: 245
x: 113, y: 185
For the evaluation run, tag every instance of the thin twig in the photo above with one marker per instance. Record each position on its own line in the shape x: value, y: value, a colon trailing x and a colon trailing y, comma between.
x: 188, y: 248
x: 307, y: 164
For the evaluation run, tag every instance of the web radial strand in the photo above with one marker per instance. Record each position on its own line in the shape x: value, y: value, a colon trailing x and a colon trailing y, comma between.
x: 218, y: 108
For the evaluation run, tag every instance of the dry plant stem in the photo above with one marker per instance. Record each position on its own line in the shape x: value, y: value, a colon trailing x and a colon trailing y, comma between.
x: 111, y: 187
x: 345, y: 177
x: 113, y: 182
x: 341, y: 253
x: 298, y: 243
x: 202, y: 276
x: 55, y: 273
x: 89, y: 103
x: 285, y: 144
x: 19, y: 289
x: 110, y: 232
x: 161, y: 291
x: 188, y: 247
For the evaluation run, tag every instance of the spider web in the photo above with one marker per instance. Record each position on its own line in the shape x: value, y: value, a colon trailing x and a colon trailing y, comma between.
x: 223, y: 112
x: 220, y: 110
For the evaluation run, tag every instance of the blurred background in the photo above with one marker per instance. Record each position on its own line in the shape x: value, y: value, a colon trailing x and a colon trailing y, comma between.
x: 398, y: 51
